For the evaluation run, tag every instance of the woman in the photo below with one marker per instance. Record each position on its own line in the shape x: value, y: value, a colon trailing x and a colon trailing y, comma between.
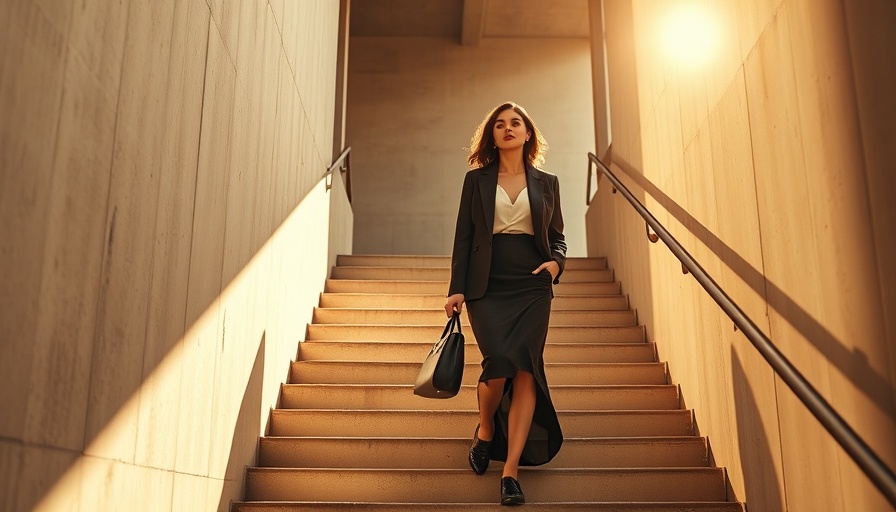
x: 508, y: 250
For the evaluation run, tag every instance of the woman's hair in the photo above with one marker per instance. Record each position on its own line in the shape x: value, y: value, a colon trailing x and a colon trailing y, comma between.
x: 483, y: 150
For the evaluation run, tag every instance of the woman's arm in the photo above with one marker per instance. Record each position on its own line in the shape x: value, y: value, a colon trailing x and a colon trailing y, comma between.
x: 556, y: 240
x: 463, y: 239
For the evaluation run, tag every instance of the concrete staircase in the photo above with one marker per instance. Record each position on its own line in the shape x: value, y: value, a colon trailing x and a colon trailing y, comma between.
x: 350, y: 435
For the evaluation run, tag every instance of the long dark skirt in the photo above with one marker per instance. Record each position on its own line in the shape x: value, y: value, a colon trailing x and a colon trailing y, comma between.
x: 511, y: 325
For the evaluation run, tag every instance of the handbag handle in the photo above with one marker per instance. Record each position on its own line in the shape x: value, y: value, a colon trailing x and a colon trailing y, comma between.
x: 449, y: 327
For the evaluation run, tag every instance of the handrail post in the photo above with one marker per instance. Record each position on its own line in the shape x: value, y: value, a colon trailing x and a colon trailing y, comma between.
x: 344, y: 163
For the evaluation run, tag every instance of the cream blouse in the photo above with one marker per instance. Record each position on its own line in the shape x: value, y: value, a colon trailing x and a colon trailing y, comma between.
x: 512, y: 218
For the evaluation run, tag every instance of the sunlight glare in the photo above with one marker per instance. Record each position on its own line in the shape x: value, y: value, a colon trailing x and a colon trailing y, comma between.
x: 690, y: 35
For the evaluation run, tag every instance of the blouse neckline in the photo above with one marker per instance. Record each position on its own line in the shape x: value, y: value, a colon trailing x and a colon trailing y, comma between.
x: 512, y: 201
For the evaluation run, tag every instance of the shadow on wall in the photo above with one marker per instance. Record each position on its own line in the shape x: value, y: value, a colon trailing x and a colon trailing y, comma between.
x: 247, y: 421
x: 852, y: 363
x: 760, y: 483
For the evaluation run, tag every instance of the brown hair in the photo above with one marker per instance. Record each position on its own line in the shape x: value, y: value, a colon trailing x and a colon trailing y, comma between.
x: 482, y: 145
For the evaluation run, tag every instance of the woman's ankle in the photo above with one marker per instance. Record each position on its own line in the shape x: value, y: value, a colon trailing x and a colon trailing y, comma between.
x: 486, y: 432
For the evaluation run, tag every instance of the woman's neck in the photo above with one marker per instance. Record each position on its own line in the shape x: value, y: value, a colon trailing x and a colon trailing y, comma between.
x: 510, y: 161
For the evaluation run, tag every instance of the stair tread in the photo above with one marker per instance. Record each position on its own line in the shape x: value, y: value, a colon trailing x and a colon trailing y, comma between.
x: 439, y: 312
x: 601, y: 439
x: 548, y: 484
x: 431, y: 333
x: 594, y: 364
x: 472, y: 386
x: 451, y: 452
x: 385, y: 287
x: 444, y: 281
x: 627, y: 506
x: 542, y: 471
x: 415, y: 351
x: 467, y: 342
x: 442, y: 296
x: 613, y: 398
x: 648, y: 396
x: 465, y: 411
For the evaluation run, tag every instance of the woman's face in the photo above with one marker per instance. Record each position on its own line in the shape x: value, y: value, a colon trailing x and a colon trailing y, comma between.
x: 510, y: 130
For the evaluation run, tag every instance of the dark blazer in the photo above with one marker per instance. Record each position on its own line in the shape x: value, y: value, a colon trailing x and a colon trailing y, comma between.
x: 472, y: 254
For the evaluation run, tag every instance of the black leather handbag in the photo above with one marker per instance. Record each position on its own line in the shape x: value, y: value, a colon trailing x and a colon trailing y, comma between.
x: 443, y: 369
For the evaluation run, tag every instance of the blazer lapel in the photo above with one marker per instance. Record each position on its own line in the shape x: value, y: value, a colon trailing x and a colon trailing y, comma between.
x: 488, y: 187
x: 536, y: 198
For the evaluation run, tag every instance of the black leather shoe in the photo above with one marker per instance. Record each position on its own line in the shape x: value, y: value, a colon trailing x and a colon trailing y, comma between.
x: 511, y: 493
x: 479, y: 453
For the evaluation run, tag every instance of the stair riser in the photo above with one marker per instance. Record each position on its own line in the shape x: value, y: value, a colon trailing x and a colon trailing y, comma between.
x: 414, y: 486
x: 416, y: 352
x: 417, y: 333
x: 349, y: 433
x: 376, y: 260
x: 431, y: 316
x: 441, y: 287
x: 297, y: 396
x: 395, y: 423
x: 403, y: 373
x: 437, y: 301
x: 443, y: 274
x: 452, y: 453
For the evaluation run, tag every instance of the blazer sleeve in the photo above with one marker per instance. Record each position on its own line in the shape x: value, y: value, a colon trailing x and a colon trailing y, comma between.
x: 463, y: 239
x: 556, y: 240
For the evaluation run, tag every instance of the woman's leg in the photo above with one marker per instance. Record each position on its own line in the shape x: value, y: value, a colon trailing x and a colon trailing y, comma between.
x: 490, y: 393
x: 519, y: 419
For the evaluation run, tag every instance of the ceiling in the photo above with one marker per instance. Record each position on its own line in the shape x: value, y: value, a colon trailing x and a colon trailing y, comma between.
x: 470, y: 20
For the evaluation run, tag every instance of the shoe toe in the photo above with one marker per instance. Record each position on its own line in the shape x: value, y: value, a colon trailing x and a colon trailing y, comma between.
x: 511, y: 492
x: 478, y: 457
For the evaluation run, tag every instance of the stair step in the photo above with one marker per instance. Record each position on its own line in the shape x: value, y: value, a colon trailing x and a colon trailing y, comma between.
x: 347, y: 396
x: 440, y: 485
x: 431, y: 333
x: 388, y: 351
x: 388, y: 260
x: 437, y: 301
x: 448, y: 423
x: 386, y: 287
x: 348, y: 427
x: 628, y: 506
x: 451, y: 453
x: 431, y: 316
x: 444, y: 274
x: 365, y: 372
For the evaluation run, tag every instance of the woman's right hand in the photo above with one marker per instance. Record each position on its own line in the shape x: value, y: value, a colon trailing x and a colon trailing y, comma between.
x: 455, y: 302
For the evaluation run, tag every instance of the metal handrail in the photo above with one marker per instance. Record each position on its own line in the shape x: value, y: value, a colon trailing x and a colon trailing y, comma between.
x: 872, y: 465
x: 344, y: 163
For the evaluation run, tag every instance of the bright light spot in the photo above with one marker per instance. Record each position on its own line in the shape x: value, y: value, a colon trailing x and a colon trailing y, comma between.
x: 690, y: 35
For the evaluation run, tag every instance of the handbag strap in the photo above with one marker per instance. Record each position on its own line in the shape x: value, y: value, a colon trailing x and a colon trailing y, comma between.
x: 452, y: 322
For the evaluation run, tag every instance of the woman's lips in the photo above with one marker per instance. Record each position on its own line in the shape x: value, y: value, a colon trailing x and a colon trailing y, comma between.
x: 509, y: 137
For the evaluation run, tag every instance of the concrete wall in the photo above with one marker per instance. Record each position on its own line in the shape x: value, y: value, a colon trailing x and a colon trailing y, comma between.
x: 164, y: 234
x: 413, y: 104
x: 772, y: 164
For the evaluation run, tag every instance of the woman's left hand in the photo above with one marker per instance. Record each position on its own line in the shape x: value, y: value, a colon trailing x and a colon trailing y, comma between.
x: 552, y: 266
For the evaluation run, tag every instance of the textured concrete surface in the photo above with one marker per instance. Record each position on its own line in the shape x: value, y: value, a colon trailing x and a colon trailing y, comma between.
x: 165, y: 238
x: 766, y: 164
x: 413, y: 104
